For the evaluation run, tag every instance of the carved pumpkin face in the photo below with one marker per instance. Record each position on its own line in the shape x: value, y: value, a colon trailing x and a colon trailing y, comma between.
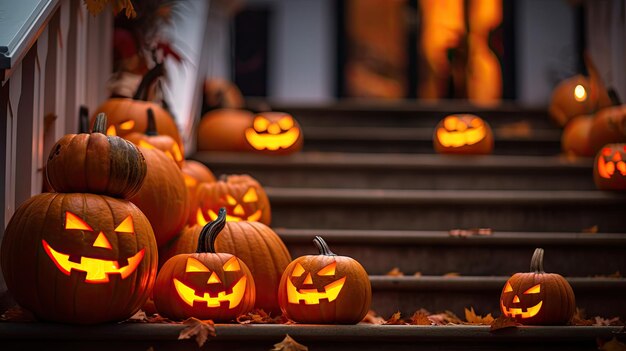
x: 325, y: 288
x: 152, y: 140
x: 609, y: 171
x: 241, y: 195
x: 273, y: 131
x: 463, y: 134
x: 538, y: 297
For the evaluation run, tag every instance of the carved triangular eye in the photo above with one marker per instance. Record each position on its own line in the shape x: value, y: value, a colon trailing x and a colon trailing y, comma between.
x: 328, y: 270
x: 72, y: 221
x: 508, y: 287
x: 260, y: 124
x: 534, y: 290
x: 298, y: 270
x: 286, y: 123
x: 232, y: 265
x: 127, y: 125
x: 126, y: 226
x: 231, y: 200
x: 250, y: 196
x: 193, y: 265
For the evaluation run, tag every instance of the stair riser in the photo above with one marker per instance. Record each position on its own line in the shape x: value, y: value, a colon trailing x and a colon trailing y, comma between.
x: 576, y: 261
x: 500, y: 217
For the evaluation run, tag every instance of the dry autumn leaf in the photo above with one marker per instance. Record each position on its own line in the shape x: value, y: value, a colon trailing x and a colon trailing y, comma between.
x: 372, y: 318
x: 503, y: 322
x: 395, y: 272
x: 259, y: 316
x: 444, y: 318
x: 420, y: 317
x: 395, y: 319
x: 96, y: 6
x: 17, y: 314
x: 599, y: 321
x: 199, y: 329
x: 591, y: 230
x: 472, y: 318
x: 289, y: 344
x: 139, y: 317
x: 452, y: 275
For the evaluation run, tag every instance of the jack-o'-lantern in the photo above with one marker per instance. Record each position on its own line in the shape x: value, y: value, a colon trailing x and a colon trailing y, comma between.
x: 463, y: 134
x: 241, y: 195
x: 63, y: 252
x: 575, y: 137
x: 96, y: 163
x: 205, y: 284
x: 538, y: 297
x: 195, y: 173
x: 609, y: 126
x: 576, y: 96
x: 325, y: 288
x: 152, y: 140
x: 274, y: 131
x: 609, y: 168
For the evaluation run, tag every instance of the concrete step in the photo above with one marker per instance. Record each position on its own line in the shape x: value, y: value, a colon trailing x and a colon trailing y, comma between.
x: 510, y: 210
x: 402, y: 171
x: 31, y: 336
x: 597, y: 296
x: 420, y: 140
x: 438, y: 253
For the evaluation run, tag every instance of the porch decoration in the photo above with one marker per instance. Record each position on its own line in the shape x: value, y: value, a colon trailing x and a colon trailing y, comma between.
x: 573, y: 97
x: 575, y: 137
x: 151, y: 139
x: 609, y: 126
x: 609, y: 167
x: 463, y: 134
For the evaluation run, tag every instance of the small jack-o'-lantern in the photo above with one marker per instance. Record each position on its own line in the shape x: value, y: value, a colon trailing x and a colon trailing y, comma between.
x: 575, y: 137
x: 463, y: 134
x: 274, y: 131
x: 325, y: 288
x: 576, y: 96
x: 205, y: 284
x: 608, y: 126
x: 241, y: 195
x: 152, y: 140
x: 609, y: 169
x: 61, y: 252
x: 538, y: 297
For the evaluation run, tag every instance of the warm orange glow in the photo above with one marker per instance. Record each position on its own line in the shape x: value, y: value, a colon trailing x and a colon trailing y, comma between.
x: 231, y: 200
x: 102, y: 241
x: 252, y: 218
x: 298, y: 270
x: 534, y: 290
x: 606, y: 169
x: 111, y: 131
x: 515, y: 312
x: 308, y: 279
x: 239, y: 210
x: 188, y: 295
x: 272, y: 141
x: 190, y: 181
x: 250, y: 196
x: 312, y: 296
x: 232, y: 265
x: 516, y: 299
x: 97, y: 270
x: 126, y: 226
x: 146, y: 144
x: 178, y: 155
x: 260, y: 124
x: 213, y: 279
x: 580, y: 94
x: 273, y: 129
x: 455, y: 132
x: 328, y: 270
x: 286, y: 123
x: 193, y: 265
x: 72, y: 221
x: 128, y: 125
x: 508, y: 287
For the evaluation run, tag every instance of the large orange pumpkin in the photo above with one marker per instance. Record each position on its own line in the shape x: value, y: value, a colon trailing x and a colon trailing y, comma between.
x: 205, y: 284
x: 609, y: 168
x: 325, y: 288
x: 575, y: 137
x: 609, y: 126
x: 254, y: 243
x: 79, y: 258
x: 152, y: 140
x: 163, y: 195
x: 538, y: 297
x: 96, y: 163
x: 576, y: 96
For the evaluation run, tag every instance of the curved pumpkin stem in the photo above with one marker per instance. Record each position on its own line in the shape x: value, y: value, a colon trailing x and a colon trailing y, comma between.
x: 147, y: 80
x: 208, y: 235
x: 100, y: 125
x: 322, y: 246
x: 536, y: 263
x: 151, y: 129
x: 223, y: 178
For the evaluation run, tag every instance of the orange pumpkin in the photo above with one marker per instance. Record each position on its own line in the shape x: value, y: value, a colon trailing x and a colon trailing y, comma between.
x: 609, y: 126
x: 195, y: 173
x: 325, y: 288
x: 205, y: 284
x: 463, y: 134
x: 163, y: 195
x: 152, y: 140
x: 576, y: 96
x: 538, y: 297
x: 96, y: 163
x: 241, y: 195
x: 220, y: 93
x: 609, y: 168
x: 575, y: 137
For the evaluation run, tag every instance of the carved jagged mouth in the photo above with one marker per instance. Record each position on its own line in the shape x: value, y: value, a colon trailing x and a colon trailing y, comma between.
x: 313, y: 296
x: 233, y: 296
x: 97, y: 270
x: 213, y: 216
x: 272, y: 141
x: 456, y: 139
x: 515, y: 312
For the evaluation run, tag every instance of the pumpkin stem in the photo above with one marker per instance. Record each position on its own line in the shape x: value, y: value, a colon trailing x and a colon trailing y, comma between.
x: 208, y: 235
x: 223, y: 178
x: 322, y: 246
x: 151, y: 129
x: 100, y: 125
x: 536, y: 263
x: 147, y: 80
x: 614, y: 97
x: 83, y: 119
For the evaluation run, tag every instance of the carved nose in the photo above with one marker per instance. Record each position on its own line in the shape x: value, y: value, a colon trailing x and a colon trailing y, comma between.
x: 102, y: 241
x: 308, y: 279
x: 273, y: 128
x: 516, y: 299
x: 213, y: 279
x: 238, y: 210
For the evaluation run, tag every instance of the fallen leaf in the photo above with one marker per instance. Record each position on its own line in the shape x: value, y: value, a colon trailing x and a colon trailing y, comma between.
x: 420, y: 317
x: 199, y: 329
x: 417, y: 274
x: 444, y: 318
x: 472, y: 318
x: 616, y: 275
x: 395, y: 272
x: 139, y: 317
x: 157, y: 318
x: 612, y: 345
x: 373, y: 318
x: 289, y: 344
x: 464, y: 233
x: 259, y: 316
x: 580, y: 322
x: 17, y: 314
x: 591, y: 230
x: 395, y: 319
x: 503, y: 322
x: 452, y: 275
x: 599, y: 321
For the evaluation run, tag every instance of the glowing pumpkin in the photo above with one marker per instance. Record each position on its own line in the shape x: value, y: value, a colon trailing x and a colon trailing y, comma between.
x: 463, y: 134
x: 61, y: 253
x: 152, y: 140
x: 538, y: 297
x: 609, y: 168
x: 325, y: 288
x: 241, y: 195
x: 274, y: 131
x: 576, y: 96
x: 205, y: 284
x: 608, y: 126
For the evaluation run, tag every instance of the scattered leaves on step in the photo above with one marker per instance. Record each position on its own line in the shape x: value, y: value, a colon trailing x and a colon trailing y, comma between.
x: 520, y: 129
x: 17, y: 314
x: 139, y: 317
x: 615, y: 275
x: 464, y: 233
x: 615, y: 321
x: 199, y: 329
x: 591, y: 230
x: 289, y: 344
x: 444, y: 318
x: 503, y: 322
x: 259, y: 316
x: 373, y: 318
x: 611, y: 345
x: 452, y: 275
x: 420, y: 317
x: 395, y: 319
x: 472, y: 318
x: 395, y: 272
x: 579, y: 318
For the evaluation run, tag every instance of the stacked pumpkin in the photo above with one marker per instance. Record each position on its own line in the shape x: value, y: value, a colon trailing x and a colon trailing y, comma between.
x: 86, y: 242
